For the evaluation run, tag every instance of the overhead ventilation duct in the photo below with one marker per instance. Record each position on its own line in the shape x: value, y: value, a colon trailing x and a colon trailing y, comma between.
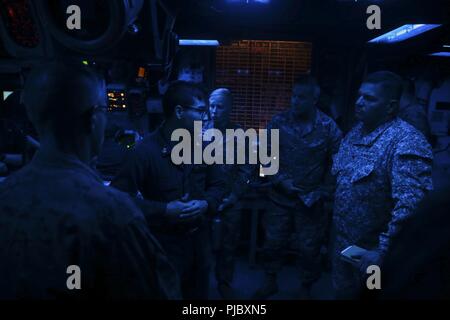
x: 138, y: 30
x: 21, y: 32
x: 103, y: 22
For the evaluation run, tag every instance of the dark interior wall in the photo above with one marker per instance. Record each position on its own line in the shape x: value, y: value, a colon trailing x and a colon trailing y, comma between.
x: 198, y: 55
x: 339, y: 70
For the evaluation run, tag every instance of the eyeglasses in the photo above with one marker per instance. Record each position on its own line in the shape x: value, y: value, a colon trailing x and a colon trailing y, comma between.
x: 204, y: 112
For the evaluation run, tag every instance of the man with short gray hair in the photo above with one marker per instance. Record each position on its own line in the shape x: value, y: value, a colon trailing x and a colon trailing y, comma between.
x: 237, y: 177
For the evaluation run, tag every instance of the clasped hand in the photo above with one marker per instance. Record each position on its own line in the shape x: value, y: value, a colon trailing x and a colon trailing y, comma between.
x: 183, y: 210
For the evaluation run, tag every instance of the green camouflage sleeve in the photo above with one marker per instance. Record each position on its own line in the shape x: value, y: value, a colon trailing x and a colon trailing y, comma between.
x: 281, y: 175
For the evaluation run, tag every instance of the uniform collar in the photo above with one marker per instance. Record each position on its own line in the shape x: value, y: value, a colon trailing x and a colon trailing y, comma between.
x: 63, y: 161
x: 311, y: 128
x: 164, y: 142
x: 369, y: 139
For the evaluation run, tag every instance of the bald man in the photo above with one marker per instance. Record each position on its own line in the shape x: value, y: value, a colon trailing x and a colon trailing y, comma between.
x: 63, y: 233
x: 237, y: 178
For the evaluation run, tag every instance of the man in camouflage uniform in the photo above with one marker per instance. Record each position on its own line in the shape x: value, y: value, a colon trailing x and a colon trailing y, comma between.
x: 383, y: 169
x: 237, y: 179
x: 308, y: 139
x: 56, y: 212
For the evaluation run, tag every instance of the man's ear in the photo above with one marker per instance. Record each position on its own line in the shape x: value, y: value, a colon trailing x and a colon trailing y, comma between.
x: 393, y: 107
x: 179, y: 112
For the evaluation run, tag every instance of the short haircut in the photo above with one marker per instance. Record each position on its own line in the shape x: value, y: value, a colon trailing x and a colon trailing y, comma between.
x: 307, y: 80
x: 391, y: 83
x: 180, y: 93
x: 55, y: 93
x: 223, y: 92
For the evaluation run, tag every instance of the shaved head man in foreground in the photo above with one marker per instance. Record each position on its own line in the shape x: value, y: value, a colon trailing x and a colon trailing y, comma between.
x: 63, y: 233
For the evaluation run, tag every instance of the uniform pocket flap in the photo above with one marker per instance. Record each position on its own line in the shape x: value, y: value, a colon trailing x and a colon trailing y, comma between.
x: 361, y: 172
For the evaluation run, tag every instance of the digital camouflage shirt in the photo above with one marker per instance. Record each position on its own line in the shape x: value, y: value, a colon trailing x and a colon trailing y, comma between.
x: 381, y: 177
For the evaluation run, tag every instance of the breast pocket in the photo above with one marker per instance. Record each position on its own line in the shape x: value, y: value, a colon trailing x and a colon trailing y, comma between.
x: 317, y: 147
x: 310, y: 152
x: 337, y: 163
x: 362, y: 172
